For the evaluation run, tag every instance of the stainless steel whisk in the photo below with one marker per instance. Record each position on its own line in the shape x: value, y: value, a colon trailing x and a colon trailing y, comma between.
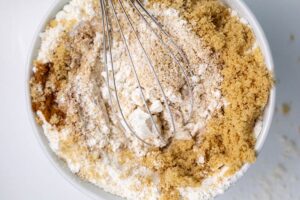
x: 166, y: 41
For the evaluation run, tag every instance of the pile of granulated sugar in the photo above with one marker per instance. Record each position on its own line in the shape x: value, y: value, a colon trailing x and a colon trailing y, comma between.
x: 70, y: 95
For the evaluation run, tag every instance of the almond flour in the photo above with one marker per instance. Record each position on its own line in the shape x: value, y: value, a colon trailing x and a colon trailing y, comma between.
x: 230, y: 86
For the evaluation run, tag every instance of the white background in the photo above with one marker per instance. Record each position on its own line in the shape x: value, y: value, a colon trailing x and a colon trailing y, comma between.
x: 25, y: 172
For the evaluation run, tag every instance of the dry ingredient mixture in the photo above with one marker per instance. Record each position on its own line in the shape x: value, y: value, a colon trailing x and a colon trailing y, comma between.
x: 231, y: 86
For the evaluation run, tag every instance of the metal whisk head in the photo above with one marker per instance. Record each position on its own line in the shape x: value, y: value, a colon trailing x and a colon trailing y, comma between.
x: 109, y: 13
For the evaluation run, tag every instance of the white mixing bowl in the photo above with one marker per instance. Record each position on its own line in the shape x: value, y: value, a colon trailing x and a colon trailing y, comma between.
x: 93, y: 191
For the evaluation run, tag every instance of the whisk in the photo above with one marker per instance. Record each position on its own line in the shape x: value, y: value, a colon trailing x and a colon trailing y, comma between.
x: 173, y: 50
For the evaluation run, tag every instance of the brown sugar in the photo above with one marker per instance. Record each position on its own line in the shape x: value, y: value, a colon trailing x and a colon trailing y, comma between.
x: 176, y: 164
x: 286, y: 108
x: 229, y: 140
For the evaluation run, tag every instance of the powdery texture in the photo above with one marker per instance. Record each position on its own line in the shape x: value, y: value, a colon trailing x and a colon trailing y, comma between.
x: 71, y: 98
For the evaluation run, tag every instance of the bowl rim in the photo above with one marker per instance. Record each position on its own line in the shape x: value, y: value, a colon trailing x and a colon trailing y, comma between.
x: 88, y: 188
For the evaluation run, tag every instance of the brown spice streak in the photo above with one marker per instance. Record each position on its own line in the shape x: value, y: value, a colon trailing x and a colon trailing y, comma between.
x: 51, y: 77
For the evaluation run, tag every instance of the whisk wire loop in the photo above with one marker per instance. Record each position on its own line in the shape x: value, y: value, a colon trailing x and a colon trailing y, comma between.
x: 133, y: 65
x: 107, y: 53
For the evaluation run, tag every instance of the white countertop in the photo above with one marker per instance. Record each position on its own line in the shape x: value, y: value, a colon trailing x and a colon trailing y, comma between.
x: 25, y: 172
